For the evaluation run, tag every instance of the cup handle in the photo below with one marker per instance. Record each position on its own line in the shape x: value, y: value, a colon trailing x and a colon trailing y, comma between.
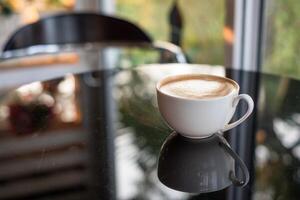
x: 245, y: 173
x: 250, y: 103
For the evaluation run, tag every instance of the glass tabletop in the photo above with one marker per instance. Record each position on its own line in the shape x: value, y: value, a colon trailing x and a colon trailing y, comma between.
x: 97, y: 135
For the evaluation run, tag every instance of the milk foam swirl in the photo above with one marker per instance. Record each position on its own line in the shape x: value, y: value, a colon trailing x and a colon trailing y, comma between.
x: 199, y: 88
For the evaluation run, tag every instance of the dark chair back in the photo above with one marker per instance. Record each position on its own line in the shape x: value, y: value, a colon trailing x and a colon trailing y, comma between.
x: 76, y: 28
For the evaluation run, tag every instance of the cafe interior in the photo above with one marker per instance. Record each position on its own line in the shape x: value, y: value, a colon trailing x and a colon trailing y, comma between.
x: 80, y: 108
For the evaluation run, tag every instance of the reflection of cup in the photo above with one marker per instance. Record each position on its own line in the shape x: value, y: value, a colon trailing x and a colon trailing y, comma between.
x: 199, y: 165
x: 203, y: 116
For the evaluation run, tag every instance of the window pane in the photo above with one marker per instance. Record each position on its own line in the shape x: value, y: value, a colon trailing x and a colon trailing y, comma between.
x: 203, y: 23
x: 281, y: 43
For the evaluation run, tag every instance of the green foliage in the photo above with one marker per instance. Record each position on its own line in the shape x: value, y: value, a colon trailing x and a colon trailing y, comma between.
x: 282, y: 38
x: 203, y: 28
x: 138, y: 112
x: 203, y: 24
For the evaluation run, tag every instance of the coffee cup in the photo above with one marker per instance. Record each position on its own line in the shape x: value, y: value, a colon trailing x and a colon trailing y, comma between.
x: 199, y: 105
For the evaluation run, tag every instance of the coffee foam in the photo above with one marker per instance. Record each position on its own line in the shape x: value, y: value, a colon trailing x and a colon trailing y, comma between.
x: 198, y: 87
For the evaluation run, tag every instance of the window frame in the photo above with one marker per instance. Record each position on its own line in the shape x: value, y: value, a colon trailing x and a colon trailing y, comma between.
x: 248, y: 31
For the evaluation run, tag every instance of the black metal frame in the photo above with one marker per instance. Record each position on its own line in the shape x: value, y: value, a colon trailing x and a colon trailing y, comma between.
x: 69, y: 31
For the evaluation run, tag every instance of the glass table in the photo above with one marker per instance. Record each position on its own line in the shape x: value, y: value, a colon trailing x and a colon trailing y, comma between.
x: 97, y: 134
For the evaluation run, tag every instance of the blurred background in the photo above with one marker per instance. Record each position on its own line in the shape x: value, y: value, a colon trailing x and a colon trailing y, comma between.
x: 205, y: 27
x: 257, y: 35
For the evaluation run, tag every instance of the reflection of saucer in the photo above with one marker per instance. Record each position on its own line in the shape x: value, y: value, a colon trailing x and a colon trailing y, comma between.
x: 195, y: 166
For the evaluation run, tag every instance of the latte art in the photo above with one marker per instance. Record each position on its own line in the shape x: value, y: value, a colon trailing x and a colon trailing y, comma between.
x: 199, y: 88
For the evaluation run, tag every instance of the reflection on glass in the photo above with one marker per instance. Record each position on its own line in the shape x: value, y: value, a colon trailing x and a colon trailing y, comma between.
x: 142, y: 131
x: 40, y: 153
x: 55, y: 157
x: 277, y: 160
x: 139, y: 139
x: 193, y: 165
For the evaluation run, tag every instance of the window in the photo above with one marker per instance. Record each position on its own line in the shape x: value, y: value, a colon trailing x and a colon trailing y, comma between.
x: 202, y: 24
x: 281, y: 41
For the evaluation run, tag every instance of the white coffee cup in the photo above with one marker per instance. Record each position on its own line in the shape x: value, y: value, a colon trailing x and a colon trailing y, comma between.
x: 199, y: 118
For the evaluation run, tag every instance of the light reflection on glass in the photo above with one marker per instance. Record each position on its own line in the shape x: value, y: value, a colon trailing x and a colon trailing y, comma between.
x: 67, y: 86
x: 30, y: 89
x: 66, y: 101
x: 288, y: 133
x: 296, y: 151
x: 136, y: 171
x: 37, y: 104
x: 262, y: 154
x: 296, y: 118
x: 128, y: 172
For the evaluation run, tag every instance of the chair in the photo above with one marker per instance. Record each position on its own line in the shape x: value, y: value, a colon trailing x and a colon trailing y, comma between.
x: 64, y: 31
